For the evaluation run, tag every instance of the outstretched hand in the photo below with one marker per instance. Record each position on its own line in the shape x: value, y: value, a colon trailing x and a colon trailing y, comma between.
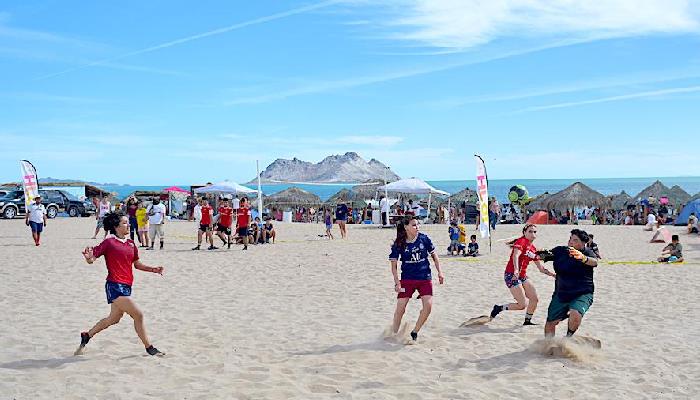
x: 89, y: 255
x: 576, y: 254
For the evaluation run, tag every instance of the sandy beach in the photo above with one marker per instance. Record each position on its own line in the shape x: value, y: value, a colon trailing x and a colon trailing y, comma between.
x: 304, y: 318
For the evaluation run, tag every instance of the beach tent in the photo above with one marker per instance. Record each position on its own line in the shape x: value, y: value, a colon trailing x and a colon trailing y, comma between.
x: 540, y: 218
x: 662, y: 235
x: 414, y: 186
x: 175, y: 189
x: 576, y: 195
x: 692, y: 207
x: 225, y: 187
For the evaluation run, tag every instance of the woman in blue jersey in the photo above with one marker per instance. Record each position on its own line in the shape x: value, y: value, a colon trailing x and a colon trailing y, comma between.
x: 413, y: 249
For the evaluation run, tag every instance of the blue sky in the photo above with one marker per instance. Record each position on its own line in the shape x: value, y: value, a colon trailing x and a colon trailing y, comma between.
x: 162, y: 92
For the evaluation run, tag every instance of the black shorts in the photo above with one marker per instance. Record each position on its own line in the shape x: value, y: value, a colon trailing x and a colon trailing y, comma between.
x: 204, y: 228
x: 243, y: 231
x: 223, y: 229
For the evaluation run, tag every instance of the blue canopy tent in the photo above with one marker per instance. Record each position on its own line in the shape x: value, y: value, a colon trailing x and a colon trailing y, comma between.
x: 692, y: 207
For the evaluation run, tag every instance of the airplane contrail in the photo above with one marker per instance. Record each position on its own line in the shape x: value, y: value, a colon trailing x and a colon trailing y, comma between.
x: 256, y: 21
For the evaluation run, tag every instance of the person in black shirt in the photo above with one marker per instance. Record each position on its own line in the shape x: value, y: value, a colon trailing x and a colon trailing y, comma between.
x: 573, y: 290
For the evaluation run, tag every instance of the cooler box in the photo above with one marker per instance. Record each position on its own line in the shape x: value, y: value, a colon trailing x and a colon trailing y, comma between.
x: 376, y: 217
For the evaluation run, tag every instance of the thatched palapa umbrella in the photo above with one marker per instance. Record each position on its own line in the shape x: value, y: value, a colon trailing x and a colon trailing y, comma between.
x: 576, y: 195
x: 466, y: 195
x: 537, y: 203
x: 676, y: 195
x: 347, y: 196
x: 293, y: 196
x: 620, y: 201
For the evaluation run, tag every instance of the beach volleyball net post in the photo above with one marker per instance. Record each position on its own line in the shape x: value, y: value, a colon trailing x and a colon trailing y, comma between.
x: 482, y: 186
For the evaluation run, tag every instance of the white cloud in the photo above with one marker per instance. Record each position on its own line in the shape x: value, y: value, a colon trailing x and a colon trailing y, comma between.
x: 371, y: 140
x: 467, y: 23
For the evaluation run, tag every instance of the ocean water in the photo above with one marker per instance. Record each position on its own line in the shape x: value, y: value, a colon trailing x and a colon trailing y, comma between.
x: 497, y: 187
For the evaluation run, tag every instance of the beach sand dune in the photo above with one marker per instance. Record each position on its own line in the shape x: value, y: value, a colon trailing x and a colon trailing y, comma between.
x: 306, y: 318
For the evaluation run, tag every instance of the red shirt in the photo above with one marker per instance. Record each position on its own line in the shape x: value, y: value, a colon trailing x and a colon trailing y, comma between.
x: 243, y: 217
x: 206, y: 215
x: 225, y: 216
x: 528, y: 253
x: 119, y: 258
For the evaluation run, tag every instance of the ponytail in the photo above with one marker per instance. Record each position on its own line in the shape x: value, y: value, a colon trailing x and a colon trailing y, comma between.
x: 401, y: 234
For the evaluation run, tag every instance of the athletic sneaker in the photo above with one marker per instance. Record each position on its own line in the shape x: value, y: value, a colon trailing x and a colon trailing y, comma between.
x: 528, y: 322
x: 414, y: 335
x: 496, y: 310
x: 196, y: 247
x: 212, y: 248
x: 84, y: 339
x: 153, y: 351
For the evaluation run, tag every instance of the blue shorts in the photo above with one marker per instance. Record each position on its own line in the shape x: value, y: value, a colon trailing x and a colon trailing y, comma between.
x: 36, y: 226
x: 329, y: 227
x: 508, y: 277
x: 114, y: 290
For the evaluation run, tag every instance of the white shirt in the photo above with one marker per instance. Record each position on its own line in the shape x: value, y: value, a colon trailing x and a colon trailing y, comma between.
x: 236, y: 203
x: 651, y: 219
x: 156, y: 213
x: 36, y: 213
x: 104, y: 208
x: 384, y: 205
x: 197, y: 212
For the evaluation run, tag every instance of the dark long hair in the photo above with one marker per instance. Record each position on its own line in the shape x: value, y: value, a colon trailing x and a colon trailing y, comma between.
x: 401, y: 234
x: 511, y: 242
x: 112, y: 220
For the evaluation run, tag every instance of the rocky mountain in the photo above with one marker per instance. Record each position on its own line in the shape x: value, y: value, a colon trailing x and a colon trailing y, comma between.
x: 349, y: 167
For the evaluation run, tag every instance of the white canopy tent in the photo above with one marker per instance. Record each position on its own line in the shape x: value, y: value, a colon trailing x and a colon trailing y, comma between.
x: 414, y: 186
x: 226, y: 187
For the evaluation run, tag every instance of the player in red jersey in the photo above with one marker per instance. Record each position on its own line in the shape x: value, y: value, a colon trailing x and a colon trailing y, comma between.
x: 243, y: 220
x: 120, y: 255
x: 205, y: 226
x: 223, y: 227
x: 515, y: 275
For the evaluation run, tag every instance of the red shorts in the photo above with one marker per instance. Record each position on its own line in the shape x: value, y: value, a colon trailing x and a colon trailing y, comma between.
x: 424, y: 288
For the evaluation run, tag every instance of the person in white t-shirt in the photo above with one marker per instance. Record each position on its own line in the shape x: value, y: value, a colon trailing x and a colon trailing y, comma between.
x: 102, y: 209
x: 651, y: 222
x: 36, y: 218
x: 384, y: 207
x: 156, y: 220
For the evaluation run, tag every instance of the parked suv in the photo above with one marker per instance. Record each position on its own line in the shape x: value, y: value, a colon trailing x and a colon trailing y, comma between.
x: 61, y: 201
x: 55, y: 201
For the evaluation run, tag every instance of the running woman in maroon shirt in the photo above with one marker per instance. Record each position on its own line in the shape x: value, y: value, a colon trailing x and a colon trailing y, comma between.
x: 120, y: 255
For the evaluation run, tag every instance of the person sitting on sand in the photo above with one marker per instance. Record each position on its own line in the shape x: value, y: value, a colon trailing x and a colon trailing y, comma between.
x: 693, y: 224
x: 515, y: 276
x: 269, y: 231
x: 120, y: 255
x: 673, y: 252
x: 473, y: 248
x: 573, y: 290
x: 413, y: 249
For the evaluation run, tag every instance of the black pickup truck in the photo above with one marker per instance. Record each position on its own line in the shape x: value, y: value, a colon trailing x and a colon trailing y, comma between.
x: 55, y: 201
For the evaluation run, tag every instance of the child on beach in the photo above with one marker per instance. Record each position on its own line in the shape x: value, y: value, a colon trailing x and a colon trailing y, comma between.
x: 515, y: 276
x: 453, y: 231
x: 329, y: 223
x: 473, y: 249
x: 142, y: 222
x: 120, y: 255
x: 413, y: 249
x: 593, y: 246
x: 673, y: 252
